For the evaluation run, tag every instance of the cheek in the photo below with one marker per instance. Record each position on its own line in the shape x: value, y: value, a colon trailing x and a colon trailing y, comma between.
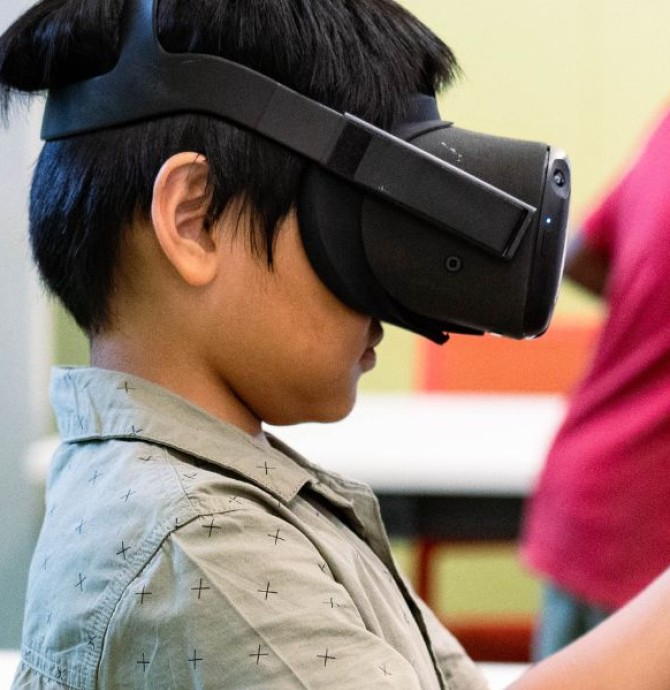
x: 302, y: 345
x: 312, y: 372
x: 317, y: 324
x: 331, y: 341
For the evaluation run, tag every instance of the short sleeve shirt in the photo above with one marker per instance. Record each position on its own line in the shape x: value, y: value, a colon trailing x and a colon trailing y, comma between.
x: 179, y: 552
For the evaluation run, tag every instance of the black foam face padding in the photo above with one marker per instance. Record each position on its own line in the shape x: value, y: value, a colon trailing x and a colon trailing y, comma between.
x: 329, y: 215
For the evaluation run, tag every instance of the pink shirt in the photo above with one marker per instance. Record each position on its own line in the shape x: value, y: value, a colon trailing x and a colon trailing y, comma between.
x: 599, y: 523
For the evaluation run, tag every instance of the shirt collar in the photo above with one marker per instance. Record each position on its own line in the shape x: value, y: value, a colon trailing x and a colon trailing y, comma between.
x: 98, y: 404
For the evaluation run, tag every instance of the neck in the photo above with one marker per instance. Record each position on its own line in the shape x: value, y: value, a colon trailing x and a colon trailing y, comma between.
x: 172, y: 368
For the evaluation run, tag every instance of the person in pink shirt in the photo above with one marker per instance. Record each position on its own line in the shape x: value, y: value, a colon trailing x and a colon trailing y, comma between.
x: 596, y: 527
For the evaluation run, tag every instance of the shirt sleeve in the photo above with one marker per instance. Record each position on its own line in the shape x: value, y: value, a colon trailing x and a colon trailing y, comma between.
x: 220, y: 605
x: 456, y: 666
x: 600, y: 226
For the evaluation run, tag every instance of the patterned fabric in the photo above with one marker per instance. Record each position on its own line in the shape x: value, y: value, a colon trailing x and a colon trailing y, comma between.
x: 179, y: 552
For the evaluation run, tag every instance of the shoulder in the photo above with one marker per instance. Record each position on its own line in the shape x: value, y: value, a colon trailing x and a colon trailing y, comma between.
x: 112, y: 508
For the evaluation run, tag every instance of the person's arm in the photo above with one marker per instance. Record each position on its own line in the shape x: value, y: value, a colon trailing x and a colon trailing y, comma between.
x: 629, y: 650
x: 586, y: 266
x: 221, y: 605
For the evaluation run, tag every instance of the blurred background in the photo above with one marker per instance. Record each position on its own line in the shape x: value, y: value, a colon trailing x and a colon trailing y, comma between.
x: 585, y: 75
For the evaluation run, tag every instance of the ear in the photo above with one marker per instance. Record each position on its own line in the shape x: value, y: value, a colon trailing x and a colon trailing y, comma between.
x: 179, y: 213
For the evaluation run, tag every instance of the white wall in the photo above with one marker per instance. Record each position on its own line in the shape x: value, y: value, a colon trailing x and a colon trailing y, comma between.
x: 25, y: 353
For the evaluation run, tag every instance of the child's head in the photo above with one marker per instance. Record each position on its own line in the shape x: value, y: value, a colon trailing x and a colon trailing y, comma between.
x: 97, y: 197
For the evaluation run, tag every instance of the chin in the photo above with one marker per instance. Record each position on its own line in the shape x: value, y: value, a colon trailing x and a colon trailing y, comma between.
x: 331, y: 409
x: 334, y: 414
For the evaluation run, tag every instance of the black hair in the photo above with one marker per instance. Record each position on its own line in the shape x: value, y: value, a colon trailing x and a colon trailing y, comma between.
x: 361, y: 56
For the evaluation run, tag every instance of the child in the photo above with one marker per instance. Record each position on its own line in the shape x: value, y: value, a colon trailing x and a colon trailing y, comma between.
x: 182, y: 546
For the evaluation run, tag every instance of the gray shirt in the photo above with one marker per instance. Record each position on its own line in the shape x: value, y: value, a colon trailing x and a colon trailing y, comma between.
x: 179, y: 552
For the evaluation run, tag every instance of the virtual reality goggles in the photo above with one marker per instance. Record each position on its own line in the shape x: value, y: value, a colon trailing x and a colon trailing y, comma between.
x: 430, y: 227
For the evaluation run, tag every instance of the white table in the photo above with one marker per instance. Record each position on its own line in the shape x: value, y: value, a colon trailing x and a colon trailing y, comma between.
x: 9, y: 660
x: 436, y: 443
x: 501, y: 676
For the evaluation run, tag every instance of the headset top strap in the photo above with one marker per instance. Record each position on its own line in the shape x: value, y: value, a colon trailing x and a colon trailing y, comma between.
x: 148, y: 82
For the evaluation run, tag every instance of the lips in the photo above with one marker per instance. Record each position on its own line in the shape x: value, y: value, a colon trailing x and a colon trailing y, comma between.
x: 369, y: 357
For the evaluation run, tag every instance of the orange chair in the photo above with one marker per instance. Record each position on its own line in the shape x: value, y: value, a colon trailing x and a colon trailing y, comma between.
x: 550, y: 364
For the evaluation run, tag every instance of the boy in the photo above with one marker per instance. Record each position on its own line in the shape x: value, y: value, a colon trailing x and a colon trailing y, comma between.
x: 183, y: 547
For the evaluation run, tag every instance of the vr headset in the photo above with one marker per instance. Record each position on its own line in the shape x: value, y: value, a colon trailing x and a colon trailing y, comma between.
x: 430, y: 227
